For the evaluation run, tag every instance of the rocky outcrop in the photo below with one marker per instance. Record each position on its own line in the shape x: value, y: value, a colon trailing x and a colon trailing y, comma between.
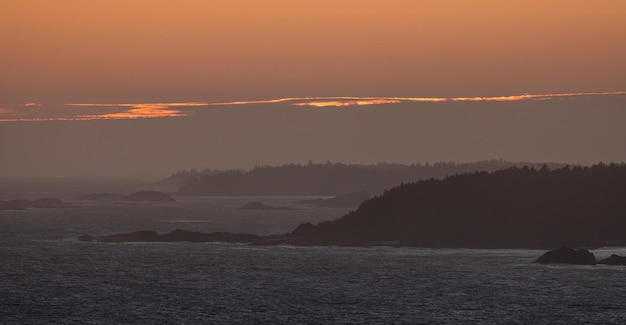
x: 614, y: 260
x: 177, y: 235
x: 566, y: 255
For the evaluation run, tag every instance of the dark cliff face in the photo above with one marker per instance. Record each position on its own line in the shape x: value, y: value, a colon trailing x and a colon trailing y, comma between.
x: 514, y: 208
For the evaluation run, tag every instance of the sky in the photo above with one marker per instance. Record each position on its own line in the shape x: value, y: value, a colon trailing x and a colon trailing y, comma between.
x: 145, y: 88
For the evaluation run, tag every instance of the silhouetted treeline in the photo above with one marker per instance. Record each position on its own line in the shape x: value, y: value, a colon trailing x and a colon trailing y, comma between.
x: 516, y: 207
x: 328, y: 178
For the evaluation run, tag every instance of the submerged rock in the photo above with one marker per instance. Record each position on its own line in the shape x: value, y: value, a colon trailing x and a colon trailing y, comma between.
x: 566, y: 255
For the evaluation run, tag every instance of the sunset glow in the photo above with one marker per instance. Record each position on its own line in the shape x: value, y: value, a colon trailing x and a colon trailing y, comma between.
x: 161, y: 110
x: 282, y: 81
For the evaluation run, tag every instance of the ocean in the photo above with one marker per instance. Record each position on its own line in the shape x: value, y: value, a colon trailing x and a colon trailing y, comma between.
x: 47, y: 276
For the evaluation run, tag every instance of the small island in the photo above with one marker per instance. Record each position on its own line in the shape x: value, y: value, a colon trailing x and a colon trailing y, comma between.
x: 566, y: 255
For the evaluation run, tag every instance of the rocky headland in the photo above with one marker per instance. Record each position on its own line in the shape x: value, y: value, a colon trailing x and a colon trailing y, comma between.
x: 513, y: 208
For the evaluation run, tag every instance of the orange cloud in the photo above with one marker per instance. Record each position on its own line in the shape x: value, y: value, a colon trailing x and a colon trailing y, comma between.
x: 138, y: 111
x: 339, y: 103
x: 359, y: 101
x: 160, y: 110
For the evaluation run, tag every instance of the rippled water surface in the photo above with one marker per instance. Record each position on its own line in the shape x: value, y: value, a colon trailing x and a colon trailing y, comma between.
x: 47, y: 276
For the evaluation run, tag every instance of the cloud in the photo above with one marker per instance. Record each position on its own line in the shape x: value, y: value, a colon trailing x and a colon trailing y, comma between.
x: 119, y: 111
x: 352, y: 101
x: 137, y: 111
x: 342, y: 103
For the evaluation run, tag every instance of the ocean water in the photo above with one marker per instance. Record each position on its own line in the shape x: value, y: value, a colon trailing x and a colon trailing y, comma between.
x: 49, y: 277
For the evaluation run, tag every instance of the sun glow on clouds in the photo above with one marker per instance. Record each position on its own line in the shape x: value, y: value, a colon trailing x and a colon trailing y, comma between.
x: 137, y: 111
x: 160, y: 110
x: 342, y: 103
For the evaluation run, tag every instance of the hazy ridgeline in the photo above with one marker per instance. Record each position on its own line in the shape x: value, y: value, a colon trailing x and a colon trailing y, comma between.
x: 323, y: 179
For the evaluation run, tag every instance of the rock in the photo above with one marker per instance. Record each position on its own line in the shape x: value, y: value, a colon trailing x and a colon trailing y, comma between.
x: 614, y: 260
x: 568, y: 255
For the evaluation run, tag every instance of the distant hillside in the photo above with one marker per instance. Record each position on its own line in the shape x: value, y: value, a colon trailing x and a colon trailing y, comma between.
x: 327, y: 179
x: 176, y: 179
x: 516, y: 208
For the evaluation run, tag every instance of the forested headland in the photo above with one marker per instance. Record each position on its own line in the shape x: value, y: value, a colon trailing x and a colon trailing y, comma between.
x: 513, y: 208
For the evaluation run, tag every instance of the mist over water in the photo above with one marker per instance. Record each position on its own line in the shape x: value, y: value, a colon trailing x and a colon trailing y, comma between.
x: 48, y: 276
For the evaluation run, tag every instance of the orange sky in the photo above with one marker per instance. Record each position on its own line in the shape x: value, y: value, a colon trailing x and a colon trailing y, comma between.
x: 153, y: 51
x: 198, y: 83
